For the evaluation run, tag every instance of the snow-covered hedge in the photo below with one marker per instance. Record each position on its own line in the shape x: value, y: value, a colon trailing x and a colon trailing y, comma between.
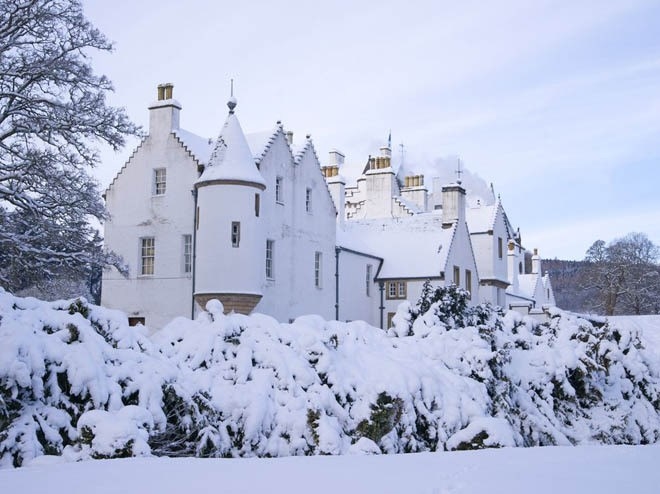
x: 75, y: 380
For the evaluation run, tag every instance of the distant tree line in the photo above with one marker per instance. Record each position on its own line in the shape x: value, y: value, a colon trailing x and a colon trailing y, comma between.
x: 620, y: 277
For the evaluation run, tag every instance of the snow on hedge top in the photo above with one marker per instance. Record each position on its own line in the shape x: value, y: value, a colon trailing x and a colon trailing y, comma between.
x: 77, y: 381
x: 231, y: 158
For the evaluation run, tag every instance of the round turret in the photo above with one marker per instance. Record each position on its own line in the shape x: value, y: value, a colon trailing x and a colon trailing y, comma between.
x: 230, y: 236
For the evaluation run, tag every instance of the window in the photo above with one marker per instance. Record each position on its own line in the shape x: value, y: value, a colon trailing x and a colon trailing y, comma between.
x: 279, y: 196
x: 160, y: 181
x: 520, y: 268
x: 235, y: 233
x: 468, y: 281
x: 397, y: 289
x: 457, y: 276
x: 134, y: 321
x: 499, y: 247
x: 318, y: 258
x: 147, y: 255
x: 391, y: 289
x: 187, y: 253
x: 270, y: 246
x: 390, y: 316
x: 257, y: 200
x: 368, y: 280
x: 308, y: 200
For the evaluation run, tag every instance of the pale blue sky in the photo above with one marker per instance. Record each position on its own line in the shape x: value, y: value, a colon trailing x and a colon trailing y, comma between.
x: 556, y: 103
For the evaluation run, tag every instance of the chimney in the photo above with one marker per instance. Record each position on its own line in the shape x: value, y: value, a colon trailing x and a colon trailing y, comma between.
x: 453, y: 204
x: 336, y: 183
x: 336, y: 157
x: 289, y: 137
x: 513, y: 266
x: 415, y: 191
x: 164, y: 112
x: 536, y: 262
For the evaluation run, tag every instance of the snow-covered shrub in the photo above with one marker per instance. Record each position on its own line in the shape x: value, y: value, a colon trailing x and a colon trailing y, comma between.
x: 76, y: 380
x: 119, y: 434
x: 60, y: 360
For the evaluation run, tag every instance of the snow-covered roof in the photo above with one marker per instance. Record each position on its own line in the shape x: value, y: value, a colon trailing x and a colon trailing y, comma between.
x: 413, y: 207
x: 527, y: 284
x: 259, y: 142
x: 200, y: 147
x: 416, y: 247
x: 481, y: 219
x: 232, y: 158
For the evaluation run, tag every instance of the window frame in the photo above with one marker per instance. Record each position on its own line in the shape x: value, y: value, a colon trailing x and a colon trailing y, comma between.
x: 270, y: 258
x: 147, y: 256
x: 279, y: 190
x: 457, y: 276
x: 318, y: 269
x: 396, y: 290
x: 368, y: 276
x: 187, y: 253
x: 308, y: 199
x: 468, y: 282
x: 235, y: 234
x: 500, y: 248
x: 159, y: 184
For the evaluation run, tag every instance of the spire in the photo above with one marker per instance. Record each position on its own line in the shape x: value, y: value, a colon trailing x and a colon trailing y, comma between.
x: 232, y: 159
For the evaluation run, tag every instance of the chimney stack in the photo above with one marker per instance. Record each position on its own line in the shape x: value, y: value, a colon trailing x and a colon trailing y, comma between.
x: 336, y: 183
x: 536, y: 262
x: 453, y: 204
x: 164, y: 112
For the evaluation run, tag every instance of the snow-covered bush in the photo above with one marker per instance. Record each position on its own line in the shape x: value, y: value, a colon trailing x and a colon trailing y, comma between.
x: 75, y: 379
x: 119, y: 434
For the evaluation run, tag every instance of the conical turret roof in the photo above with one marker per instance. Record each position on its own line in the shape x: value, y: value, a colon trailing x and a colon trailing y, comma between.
x: 231, y: 159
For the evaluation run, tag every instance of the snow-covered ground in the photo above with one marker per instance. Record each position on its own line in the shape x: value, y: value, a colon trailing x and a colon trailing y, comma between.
x: 551, y: 470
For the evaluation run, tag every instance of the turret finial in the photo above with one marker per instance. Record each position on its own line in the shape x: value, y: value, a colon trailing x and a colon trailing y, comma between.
x: 232, y: 100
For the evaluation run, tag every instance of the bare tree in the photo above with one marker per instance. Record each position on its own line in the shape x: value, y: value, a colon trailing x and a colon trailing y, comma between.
x: 625, y: 274
x: 53, y: 113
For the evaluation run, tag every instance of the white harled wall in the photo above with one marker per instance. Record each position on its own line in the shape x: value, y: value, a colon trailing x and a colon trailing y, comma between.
x: 297, y: 234
x: 221, y: 267
x: 355, y: 303
x: 135, y: 213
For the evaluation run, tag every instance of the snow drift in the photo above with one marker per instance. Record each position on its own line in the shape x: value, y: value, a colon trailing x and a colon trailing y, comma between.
x: 77, y: 381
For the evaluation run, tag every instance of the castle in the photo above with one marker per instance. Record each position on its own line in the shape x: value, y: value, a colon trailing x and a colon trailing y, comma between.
x: 264, y: 226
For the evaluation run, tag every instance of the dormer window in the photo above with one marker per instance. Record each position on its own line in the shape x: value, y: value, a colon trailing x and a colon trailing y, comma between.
x: 159, y: 181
